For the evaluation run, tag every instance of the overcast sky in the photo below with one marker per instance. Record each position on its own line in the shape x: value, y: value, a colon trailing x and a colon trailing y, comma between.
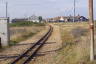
x: 45, y: 8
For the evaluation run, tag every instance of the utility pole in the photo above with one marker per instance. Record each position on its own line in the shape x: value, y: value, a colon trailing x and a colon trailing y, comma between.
x: 74, y: 11
x: 91, y: 21
x: 6, y: 9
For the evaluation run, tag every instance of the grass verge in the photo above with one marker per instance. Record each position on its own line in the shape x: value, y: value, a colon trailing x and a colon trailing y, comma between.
x: 76, y: 44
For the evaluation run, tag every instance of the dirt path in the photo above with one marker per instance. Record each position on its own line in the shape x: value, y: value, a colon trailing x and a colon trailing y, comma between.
x: 48, y: 53
x: 18, y: 49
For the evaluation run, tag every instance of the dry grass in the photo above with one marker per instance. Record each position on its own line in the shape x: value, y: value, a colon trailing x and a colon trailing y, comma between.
x: 75, y: 46
x: 19, y: 34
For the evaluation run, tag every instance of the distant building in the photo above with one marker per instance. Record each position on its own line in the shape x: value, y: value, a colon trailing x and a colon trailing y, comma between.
x: 33, y: 18
x: 18, y: 20
x: 77, y: 19
x: 67, y: 19
x: 61, y: 19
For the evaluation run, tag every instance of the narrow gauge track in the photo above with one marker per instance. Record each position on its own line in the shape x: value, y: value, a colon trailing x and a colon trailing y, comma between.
x: 31, y: 52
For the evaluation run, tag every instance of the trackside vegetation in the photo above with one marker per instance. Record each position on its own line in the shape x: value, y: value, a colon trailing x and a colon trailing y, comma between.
x: 75, y: 45
x: 26, y: 23
x: 24, y: 30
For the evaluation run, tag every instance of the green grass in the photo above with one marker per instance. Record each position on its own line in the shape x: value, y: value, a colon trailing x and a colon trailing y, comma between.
x: 26, y: 23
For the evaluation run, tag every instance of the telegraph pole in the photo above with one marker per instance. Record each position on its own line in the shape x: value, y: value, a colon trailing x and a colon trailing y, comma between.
x: 6, y: 9
x: 74, y: 10
x: 91, y: 21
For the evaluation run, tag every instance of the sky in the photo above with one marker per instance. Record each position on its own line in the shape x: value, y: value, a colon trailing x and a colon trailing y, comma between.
x: 45, y: 8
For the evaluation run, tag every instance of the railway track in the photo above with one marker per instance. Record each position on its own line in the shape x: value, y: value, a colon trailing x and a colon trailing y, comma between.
x: 31, y: 52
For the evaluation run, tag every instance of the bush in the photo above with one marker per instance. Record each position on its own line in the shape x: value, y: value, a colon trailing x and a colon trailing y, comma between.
x: 26, y: 23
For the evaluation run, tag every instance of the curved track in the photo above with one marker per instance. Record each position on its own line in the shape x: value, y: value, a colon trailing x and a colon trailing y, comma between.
x: 31, y: 52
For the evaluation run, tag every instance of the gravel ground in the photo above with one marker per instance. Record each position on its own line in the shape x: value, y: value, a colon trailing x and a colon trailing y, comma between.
x: 48, y: 52
x: 18, y: 49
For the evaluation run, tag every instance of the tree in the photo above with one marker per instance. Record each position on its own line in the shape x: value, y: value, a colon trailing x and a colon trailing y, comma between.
x: 40, y: 18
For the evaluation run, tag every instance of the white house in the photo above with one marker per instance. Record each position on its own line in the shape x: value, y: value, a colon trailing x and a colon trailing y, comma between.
x: 33, y: 18
x: 61, y: 19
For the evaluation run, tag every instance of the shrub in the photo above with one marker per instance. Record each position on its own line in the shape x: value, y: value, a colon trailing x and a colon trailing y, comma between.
x: 26, y: 23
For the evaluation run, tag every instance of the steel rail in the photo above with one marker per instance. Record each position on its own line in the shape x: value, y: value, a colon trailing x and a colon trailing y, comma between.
x: 31, y: 52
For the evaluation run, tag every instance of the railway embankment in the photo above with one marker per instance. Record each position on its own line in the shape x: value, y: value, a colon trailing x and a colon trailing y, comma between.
x: 9, y: 54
